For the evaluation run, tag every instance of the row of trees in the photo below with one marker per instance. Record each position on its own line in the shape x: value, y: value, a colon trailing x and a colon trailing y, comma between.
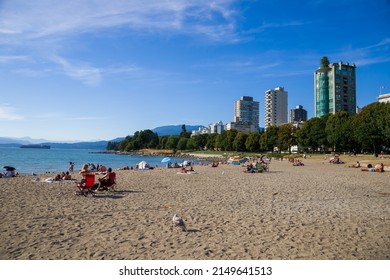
x: 368, y: 130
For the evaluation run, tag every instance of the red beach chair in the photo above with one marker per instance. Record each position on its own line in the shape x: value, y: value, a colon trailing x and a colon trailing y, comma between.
x: 86, y: 185
x: 111, y: 182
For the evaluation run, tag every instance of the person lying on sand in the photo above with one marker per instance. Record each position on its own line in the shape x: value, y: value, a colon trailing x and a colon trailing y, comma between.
x: 377, y: 168
x: 356, y: 165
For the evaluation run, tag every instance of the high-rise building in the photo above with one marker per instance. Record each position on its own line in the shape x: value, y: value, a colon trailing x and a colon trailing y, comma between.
x: 298, y: 115
x: 246, y: 112
x: 334, y: 88
x: 276, y: 102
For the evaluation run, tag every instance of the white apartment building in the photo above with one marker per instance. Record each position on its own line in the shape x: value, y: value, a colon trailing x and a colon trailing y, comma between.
x: 276, y: 104
x: 384, y: 98
x: 246, y: 115
x: 246, y: 110
x: 217, y: 127
x: 242, y: 127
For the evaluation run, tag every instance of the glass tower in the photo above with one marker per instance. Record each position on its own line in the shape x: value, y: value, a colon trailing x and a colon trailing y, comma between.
x: 335, y: 89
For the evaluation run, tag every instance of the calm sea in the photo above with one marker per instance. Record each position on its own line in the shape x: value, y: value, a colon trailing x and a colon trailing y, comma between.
x: 57, y: 160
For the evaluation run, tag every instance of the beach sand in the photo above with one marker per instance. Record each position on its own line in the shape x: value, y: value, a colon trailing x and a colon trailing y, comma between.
x: 317, y: 211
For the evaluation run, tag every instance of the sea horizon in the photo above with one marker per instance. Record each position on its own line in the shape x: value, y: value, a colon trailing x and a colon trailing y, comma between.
x: 41, y: 161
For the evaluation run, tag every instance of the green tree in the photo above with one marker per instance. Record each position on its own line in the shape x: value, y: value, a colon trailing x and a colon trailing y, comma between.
x: 145, y: 139
x: 239, y: 142
x: 162, y: 140
x: 269, y: 139
x: 312, y: 134
x: 325, y: 62
x: 112, y: 146
x: 182, y: 144
x: 184, y: 133
x: 123, y: 144
x: 197, y: 142
x: 339, y: 131
x: 192, y: 143
x: 372, y: 126
x: 228, y: 143
x: 172, y: 142
x: 219, y: 140
x: 252, y: 143
x: 286, y: 137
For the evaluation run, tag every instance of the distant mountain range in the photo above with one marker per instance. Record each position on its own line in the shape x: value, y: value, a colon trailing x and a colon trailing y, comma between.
x: 17, y: 142
x: 21, y: 141
x: 98, y: 145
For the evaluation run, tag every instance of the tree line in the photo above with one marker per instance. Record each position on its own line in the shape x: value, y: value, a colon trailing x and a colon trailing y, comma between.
x: 368, y: 131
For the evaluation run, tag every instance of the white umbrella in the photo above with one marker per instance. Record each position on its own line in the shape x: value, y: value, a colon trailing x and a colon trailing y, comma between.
x: 166, y: 159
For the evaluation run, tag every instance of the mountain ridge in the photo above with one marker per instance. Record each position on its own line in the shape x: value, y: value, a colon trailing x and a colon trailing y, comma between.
x: 98, y: 144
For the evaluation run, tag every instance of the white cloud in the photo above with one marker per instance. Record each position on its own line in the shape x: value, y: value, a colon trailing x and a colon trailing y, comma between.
x: 82, y: 72
x: 7, y: 113
x: 44, y: 29
x: 10, y: 58
x: 266, y: 26
x: 21, y: 20
x: 372, y: 54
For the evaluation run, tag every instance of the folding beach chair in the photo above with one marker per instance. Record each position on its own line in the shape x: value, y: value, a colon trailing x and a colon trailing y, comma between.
x: 110, y: 186
x: 86, y: 185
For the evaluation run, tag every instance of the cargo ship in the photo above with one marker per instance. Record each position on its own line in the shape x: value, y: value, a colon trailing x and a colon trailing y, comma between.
x: 35, y: 146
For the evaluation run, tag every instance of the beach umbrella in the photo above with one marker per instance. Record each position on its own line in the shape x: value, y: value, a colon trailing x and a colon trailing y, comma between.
x: 166, y: 159
x: 9, y: 168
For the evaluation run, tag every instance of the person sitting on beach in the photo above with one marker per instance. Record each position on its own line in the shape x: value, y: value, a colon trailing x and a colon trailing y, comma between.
x: 104, y: 180
x: 189, y: 168
x: 102, y: 168
x: 298, y: 162
x: 124, y: 168
x: 183, y: 170
x: 52, y: 179
x: 84, y: 170
x: 356, y: 165
x: 336, y: 160
x: 215, y: 164
x: 67, y: 176
x: 250, y: 168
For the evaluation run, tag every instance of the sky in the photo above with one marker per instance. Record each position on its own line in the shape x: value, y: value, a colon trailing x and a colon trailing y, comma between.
x: 90, y: 70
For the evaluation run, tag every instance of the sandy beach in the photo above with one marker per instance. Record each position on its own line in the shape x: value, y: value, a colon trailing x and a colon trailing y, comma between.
x: 317, y: 211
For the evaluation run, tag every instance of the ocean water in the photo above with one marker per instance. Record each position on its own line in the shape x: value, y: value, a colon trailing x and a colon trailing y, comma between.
x: 57, y: 160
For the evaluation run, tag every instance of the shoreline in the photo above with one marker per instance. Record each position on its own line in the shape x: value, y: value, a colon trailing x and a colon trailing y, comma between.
x: 163, y: 154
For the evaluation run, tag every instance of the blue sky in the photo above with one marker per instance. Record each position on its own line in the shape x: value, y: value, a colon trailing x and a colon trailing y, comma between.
x: 96, y: 69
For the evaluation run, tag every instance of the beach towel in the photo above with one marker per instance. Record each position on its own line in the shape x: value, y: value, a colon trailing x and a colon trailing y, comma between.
x: 187, y: 173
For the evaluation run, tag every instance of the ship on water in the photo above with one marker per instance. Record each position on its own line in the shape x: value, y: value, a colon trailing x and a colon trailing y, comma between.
x: 36, y: 146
